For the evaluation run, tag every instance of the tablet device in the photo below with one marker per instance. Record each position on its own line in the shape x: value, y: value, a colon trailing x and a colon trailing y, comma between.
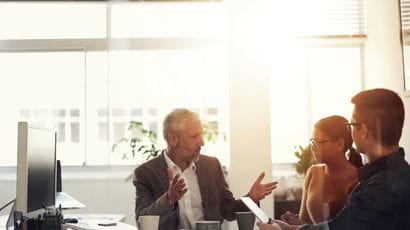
x: 255, y: 209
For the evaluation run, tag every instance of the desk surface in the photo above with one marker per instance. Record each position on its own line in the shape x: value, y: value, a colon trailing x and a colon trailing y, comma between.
x: 119, y: 226
x: 90, y: 220
x: 3, y: 222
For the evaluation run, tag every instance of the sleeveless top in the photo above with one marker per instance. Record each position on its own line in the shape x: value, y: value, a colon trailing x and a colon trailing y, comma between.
x: 323, y: 195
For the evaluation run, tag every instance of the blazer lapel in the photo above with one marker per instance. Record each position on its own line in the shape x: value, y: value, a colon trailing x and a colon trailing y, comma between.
x: 202, y: 180
x: 162, y: 169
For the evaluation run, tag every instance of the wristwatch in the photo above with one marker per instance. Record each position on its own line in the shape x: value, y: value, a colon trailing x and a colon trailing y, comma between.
x: 174, y: 206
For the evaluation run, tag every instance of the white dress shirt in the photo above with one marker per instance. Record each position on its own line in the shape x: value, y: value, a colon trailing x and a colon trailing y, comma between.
x: 190, y: 205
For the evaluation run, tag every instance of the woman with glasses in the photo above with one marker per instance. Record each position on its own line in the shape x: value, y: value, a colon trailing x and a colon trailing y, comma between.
x: 328, y: 183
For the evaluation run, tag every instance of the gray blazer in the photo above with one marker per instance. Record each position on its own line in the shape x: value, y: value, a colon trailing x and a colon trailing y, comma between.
x: 151, y: 183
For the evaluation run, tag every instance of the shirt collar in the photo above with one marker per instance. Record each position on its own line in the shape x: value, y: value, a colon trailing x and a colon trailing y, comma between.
x: 172, y: 165
x: 378, y: 165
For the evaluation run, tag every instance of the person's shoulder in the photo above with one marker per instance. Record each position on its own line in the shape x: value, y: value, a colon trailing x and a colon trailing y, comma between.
x: 401, y: 178
x: 149, y: 164
x: 316, y: 168
x: 206, y: 158
x: 403, y: 168
x: 209, y: 161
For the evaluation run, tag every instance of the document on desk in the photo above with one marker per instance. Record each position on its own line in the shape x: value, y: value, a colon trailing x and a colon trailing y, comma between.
x: 94, y: 221
x: 81, y: 226
x: 90, y: 226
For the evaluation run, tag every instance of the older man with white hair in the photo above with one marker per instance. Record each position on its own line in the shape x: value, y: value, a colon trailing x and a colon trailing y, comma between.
x: 183, y: 186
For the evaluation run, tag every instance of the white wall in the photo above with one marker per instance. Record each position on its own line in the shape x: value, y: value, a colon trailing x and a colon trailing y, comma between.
x: 383, y: 55
x: 249, y: 98
x: 383, y: 63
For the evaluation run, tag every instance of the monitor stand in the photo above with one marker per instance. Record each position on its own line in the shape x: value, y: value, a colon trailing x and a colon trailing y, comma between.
x: 66, y: 201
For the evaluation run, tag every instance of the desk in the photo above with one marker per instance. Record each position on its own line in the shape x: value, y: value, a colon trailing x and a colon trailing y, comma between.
x: 3, y: 222
x: 90, y: 219
x: 119, y: 226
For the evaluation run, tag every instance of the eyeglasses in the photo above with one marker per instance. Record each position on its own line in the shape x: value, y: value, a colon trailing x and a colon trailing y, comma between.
x: 318, y: 143
x: 352, y: 124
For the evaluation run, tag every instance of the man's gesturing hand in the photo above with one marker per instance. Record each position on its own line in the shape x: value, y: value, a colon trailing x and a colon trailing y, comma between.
x: 259, y: 191
x: 177, y: 187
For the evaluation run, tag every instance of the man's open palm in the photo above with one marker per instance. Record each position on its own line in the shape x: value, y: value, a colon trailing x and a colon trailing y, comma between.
x: 259, y: 191
x: 177, y: 187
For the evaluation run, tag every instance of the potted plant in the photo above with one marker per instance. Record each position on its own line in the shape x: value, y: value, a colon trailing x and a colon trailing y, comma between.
x: 292, y: 190
x: 143, y: 141
x: 140, y: 140
x: 306, y: 159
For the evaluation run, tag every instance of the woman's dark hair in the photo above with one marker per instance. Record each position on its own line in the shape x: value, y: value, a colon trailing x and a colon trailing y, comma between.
x: 335, y: 127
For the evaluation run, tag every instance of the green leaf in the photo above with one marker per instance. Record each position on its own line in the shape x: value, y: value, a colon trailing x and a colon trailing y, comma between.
x: 121, y: 140
x: 146, y: 151
x: 157, y: 152
x: 141, y: 148
x: 306, y: 159
x: 153, y: 135
x: 129, y: 177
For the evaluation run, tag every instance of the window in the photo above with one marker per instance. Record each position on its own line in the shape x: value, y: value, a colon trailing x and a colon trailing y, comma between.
x: 405, y: 35
x: 139, y: 90
x: 316, y: 68
x: 43, y: 88
x: 191, y: 19
x: 44, y: 20
x: 87, y: 76
x: 322, y: 17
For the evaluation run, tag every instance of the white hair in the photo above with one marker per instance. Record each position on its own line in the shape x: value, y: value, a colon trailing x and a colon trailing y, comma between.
x: 175, y: 121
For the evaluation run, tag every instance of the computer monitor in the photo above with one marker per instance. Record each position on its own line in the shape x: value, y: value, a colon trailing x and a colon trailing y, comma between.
x: 36, y: 169
x: 58, y: 179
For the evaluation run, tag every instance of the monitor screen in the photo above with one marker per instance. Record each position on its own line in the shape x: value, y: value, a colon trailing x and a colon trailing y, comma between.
x: 36, y: 168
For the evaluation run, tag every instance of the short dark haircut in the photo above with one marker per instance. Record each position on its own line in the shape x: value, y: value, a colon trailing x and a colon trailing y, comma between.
x: 382, y: 110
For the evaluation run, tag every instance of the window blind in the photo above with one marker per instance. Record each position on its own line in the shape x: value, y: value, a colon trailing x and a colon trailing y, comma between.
x: 405, y: 15
x: 329, y: 17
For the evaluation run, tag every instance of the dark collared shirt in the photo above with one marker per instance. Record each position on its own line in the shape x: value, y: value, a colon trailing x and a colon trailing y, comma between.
x: 381, y: 200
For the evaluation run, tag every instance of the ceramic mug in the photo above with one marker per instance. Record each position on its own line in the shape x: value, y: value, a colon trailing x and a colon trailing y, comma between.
x: 149, y: 222
x: 245, y: 220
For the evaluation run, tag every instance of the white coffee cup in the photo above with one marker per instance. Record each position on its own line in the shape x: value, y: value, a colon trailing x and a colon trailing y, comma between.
x: 148, y: 222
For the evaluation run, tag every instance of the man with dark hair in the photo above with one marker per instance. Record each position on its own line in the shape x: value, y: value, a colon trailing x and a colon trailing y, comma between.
x: 381, y: 200
x: 383, y: 112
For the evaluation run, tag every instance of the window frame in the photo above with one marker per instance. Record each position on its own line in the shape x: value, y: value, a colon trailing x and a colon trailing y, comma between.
x: 106, y: 44
x: 281, y: 169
